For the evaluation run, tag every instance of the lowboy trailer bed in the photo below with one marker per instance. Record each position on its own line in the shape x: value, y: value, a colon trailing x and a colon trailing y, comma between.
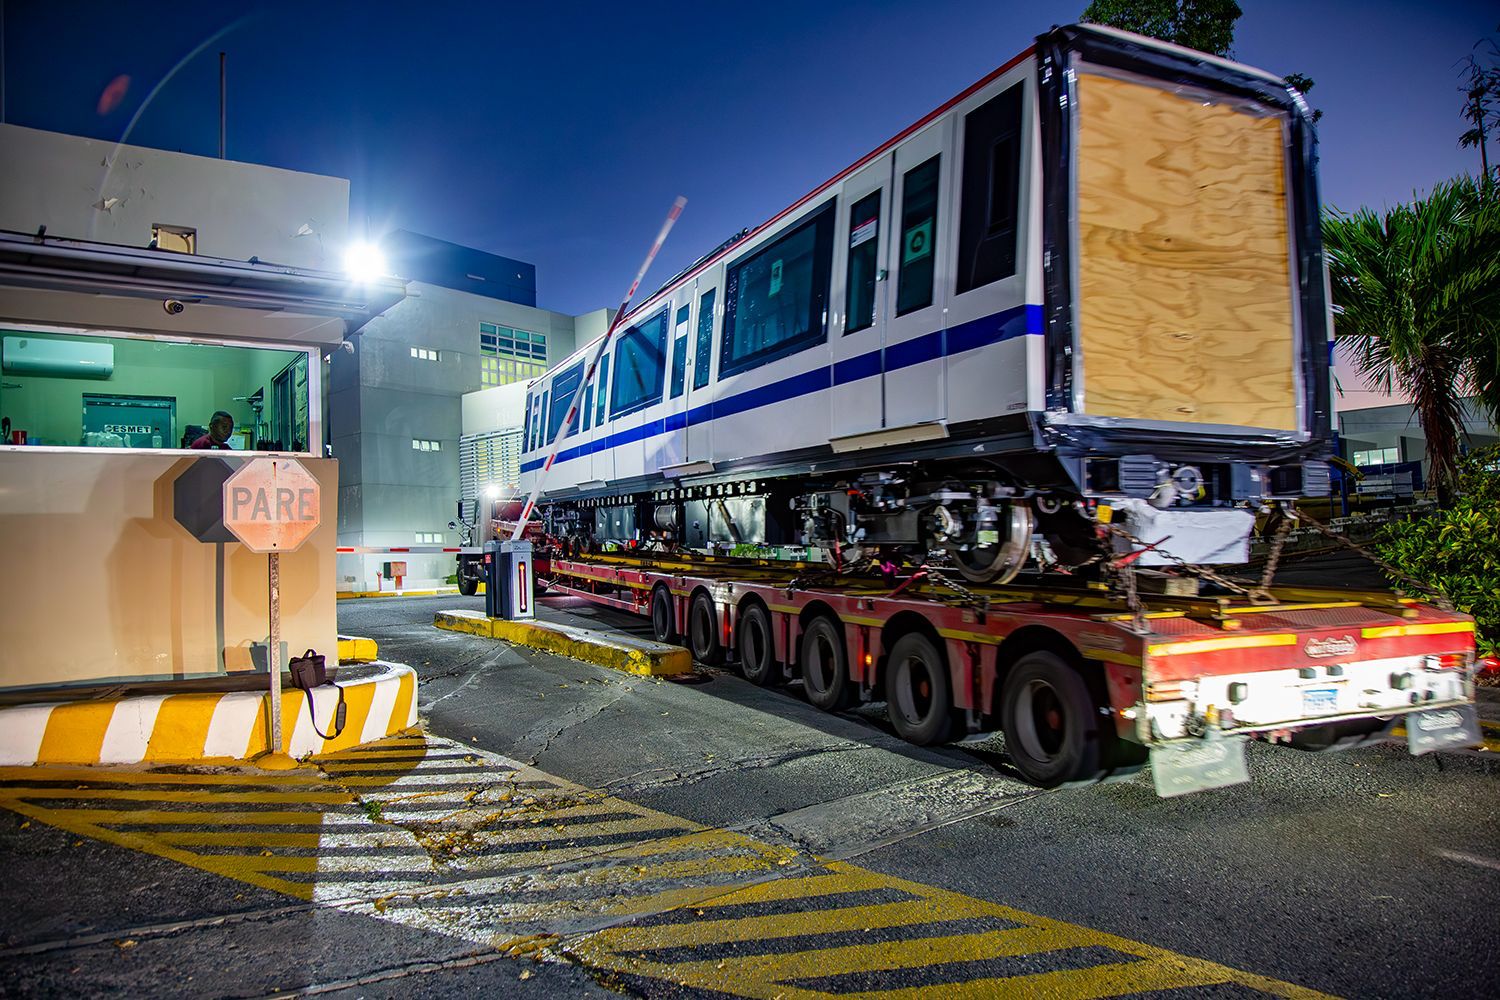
x: 1081, y: 687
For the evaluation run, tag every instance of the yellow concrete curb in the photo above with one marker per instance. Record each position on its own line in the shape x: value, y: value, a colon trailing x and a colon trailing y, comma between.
x: 208, y: 725
x: 620, y: 652
x: 349, y: 595
x: 357, y: 649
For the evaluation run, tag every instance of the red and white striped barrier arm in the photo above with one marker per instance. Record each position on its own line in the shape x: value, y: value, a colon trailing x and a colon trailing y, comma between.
x: 588, y: 375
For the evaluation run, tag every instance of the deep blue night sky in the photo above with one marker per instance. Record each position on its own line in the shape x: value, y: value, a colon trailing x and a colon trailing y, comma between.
x: 559, y: 133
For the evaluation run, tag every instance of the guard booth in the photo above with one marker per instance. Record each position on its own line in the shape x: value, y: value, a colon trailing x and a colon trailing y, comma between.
x: 113, y: 361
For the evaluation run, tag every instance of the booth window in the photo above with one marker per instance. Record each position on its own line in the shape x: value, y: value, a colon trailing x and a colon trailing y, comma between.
x: 76, y: 390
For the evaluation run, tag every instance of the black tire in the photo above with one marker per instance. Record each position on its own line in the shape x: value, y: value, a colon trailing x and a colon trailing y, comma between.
x: 664, y: 617
x: 825, y: 667
x: 1053, y: 728
x: 467, y: 585
x: 757, y: 647
x: 703, y: 630
x: 917, y: 692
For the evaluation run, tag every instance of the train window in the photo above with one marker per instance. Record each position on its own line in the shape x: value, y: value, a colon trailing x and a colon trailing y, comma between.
x: 542, y: 437
x: 919, y: 200
x: 991, y: 191
x: 588, y: 406
x: 603, y: 381
x: 864, y: 239
x: 705, y: 339
x: 526, y: 427
x: 775, y: 300
x: 679, y: 351
x: 640, y: 366
x: 564, y: 387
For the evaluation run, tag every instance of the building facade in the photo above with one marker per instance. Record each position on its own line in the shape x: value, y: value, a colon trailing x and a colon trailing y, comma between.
x: 469, y: 322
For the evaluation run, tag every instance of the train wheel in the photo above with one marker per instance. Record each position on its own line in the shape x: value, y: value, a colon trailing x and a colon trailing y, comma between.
x: 757, y: 647
x: 1000, y: 561
x: 703, y: 631
x: 917, y: 691
x: 1051, y: 723
x: 825, y: 668
x: 663, y: 616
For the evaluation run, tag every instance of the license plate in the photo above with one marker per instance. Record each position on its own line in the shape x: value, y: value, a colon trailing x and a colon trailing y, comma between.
x: 1320, y: 701
x: 1442, y: 729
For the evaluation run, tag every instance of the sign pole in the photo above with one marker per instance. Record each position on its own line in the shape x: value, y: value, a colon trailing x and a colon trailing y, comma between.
x: 274, y: 716
x: 271, y: 505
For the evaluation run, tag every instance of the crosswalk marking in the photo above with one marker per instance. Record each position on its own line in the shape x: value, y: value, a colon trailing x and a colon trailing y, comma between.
x: 431, y: 834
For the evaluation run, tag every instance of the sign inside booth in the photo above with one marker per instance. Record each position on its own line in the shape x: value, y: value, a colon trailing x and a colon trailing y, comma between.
x: 272, y: 504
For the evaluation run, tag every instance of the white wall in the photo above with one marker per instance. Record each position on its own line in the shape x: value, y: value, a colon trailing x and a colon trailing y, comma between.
x: 93, y: 190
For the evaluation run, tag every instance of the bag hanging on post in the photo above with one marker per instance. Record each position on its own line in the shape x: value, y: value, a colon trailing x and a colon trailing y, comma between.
x: 310, y: 671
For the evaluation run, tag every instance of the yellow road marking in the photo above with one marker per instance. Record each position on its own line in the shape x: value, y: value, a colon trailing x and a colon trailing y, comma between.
x: 666, y: 864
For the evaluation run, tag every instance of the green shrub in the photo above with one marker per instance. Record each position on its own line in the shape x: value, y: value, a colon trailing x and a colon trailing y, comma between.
x: 1458, y: 548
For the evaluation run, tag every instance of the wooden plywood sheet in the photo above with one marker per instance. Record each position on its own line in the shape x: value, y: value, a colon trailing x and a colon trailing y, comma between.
x: 1184, y: 286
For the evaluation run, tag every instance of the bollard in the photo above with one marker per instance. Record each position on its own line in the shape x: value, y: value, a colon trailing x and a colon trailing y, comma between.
x: 508, y: 580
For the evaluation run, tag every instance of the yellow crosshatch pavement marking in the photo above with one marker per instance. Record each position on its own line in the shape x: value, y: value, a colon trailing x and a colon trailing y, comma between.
x: 435, y: 835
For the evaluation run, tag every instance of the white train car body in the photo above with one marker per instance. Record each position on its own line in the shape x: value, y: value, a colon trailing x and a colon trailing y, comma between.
x: 987, y: 312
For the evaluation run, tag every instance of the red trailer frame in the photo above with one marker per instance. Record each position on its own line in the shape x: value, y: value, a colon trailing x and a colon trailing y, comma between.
x: 1189, y: 680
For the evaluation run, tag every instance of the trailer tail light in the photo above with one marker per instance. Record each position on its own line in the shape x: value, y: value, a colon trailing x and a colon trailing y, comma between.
x: 1489, y: 666
x: 1446, y: 661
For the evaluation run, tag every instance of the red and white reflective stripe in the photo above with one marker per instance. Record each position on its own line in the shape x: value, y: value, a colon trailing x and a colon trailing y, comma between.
x: 588, y: 376
x: 419, y: 549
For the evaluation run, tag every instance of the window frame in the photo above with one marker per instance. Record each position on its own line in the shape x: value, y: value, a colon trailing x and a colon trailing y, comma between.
x: 703, y: 361
x: 316, y: 389
x: 823, y: 220
x: 878, y: 196
x: 661, y: 317
x: 554, y: 418
x: 935, y: 162
x: 976, y: 181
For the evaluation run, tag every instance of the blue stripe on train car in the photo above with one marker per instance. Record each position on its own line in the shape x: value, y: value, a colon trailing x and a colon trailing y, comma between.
x: 1006, y: 325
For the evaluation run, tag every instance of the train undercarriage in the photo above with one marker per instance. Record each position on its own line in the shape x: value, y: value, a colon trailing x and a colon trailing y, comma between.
x: 981, y: 518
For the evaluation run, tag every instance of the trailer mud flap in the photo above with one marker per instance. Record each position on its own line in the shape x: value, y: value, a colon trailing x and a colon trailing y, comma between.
x: 1181, y: 768
x: 1442, y: 729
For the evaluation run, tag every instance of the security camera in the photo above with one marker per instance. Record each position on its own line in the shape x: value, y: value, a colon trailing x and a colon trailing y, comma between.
x: 452, y: 525
x: 346, y: 345
x: 173, y: 307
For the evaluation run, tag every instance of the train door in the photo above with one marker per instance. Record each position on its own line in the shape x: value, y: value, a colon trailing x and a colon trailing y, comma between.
x: 917, y: 264
x: 671, y: 448
x: 700, y: 368
x: 858, y: 342
x: 602, y: 461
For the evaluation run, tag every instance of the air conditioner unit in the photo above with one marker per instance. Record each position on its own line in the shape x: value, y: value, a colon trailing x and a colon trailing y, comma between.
x: 57, y: 358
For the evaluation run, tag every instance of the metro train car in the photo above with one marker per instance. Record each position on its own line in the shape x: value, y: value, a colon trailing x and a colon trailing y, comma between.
x: 1088, y: 289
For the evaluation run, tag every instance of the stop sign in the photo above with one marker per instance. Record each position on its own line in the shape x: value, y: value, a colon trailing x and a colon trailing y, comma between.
x: 271, y: 504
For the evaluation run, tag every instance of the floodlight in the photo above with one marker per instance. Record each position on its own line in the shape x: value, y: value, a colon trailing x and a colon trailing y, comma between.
x: 364, y: 262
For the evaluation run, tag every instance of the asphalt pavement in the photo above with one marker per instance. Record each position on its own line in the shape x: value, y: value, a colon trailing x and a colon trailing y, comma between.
x: 567, y: 830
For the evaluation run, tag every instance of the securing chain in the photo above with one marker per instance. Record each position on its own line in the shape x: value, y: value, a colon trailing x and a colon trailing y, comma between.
x: 1261, y: 592
x: 1441, y: 599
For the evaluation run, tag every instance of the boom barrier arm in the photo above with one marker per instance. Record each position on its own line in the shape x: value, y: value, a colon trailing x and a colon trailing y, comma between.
x: 588, y: 375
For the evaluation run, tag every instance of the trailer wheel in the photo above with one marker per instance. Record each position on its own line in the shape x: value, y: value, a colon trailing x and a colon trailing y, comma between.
x: 703, y: 631
x: 467, y: 585
x: 663, y: 617
x: 1051, y: 723
x: 917, y: 691
x: 757, y: 647
x: 825, y: 668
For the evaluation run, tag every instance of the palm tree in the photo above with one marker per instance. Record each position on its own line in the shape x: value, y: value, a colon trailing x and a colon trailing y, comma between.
x: 1419, y: 290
